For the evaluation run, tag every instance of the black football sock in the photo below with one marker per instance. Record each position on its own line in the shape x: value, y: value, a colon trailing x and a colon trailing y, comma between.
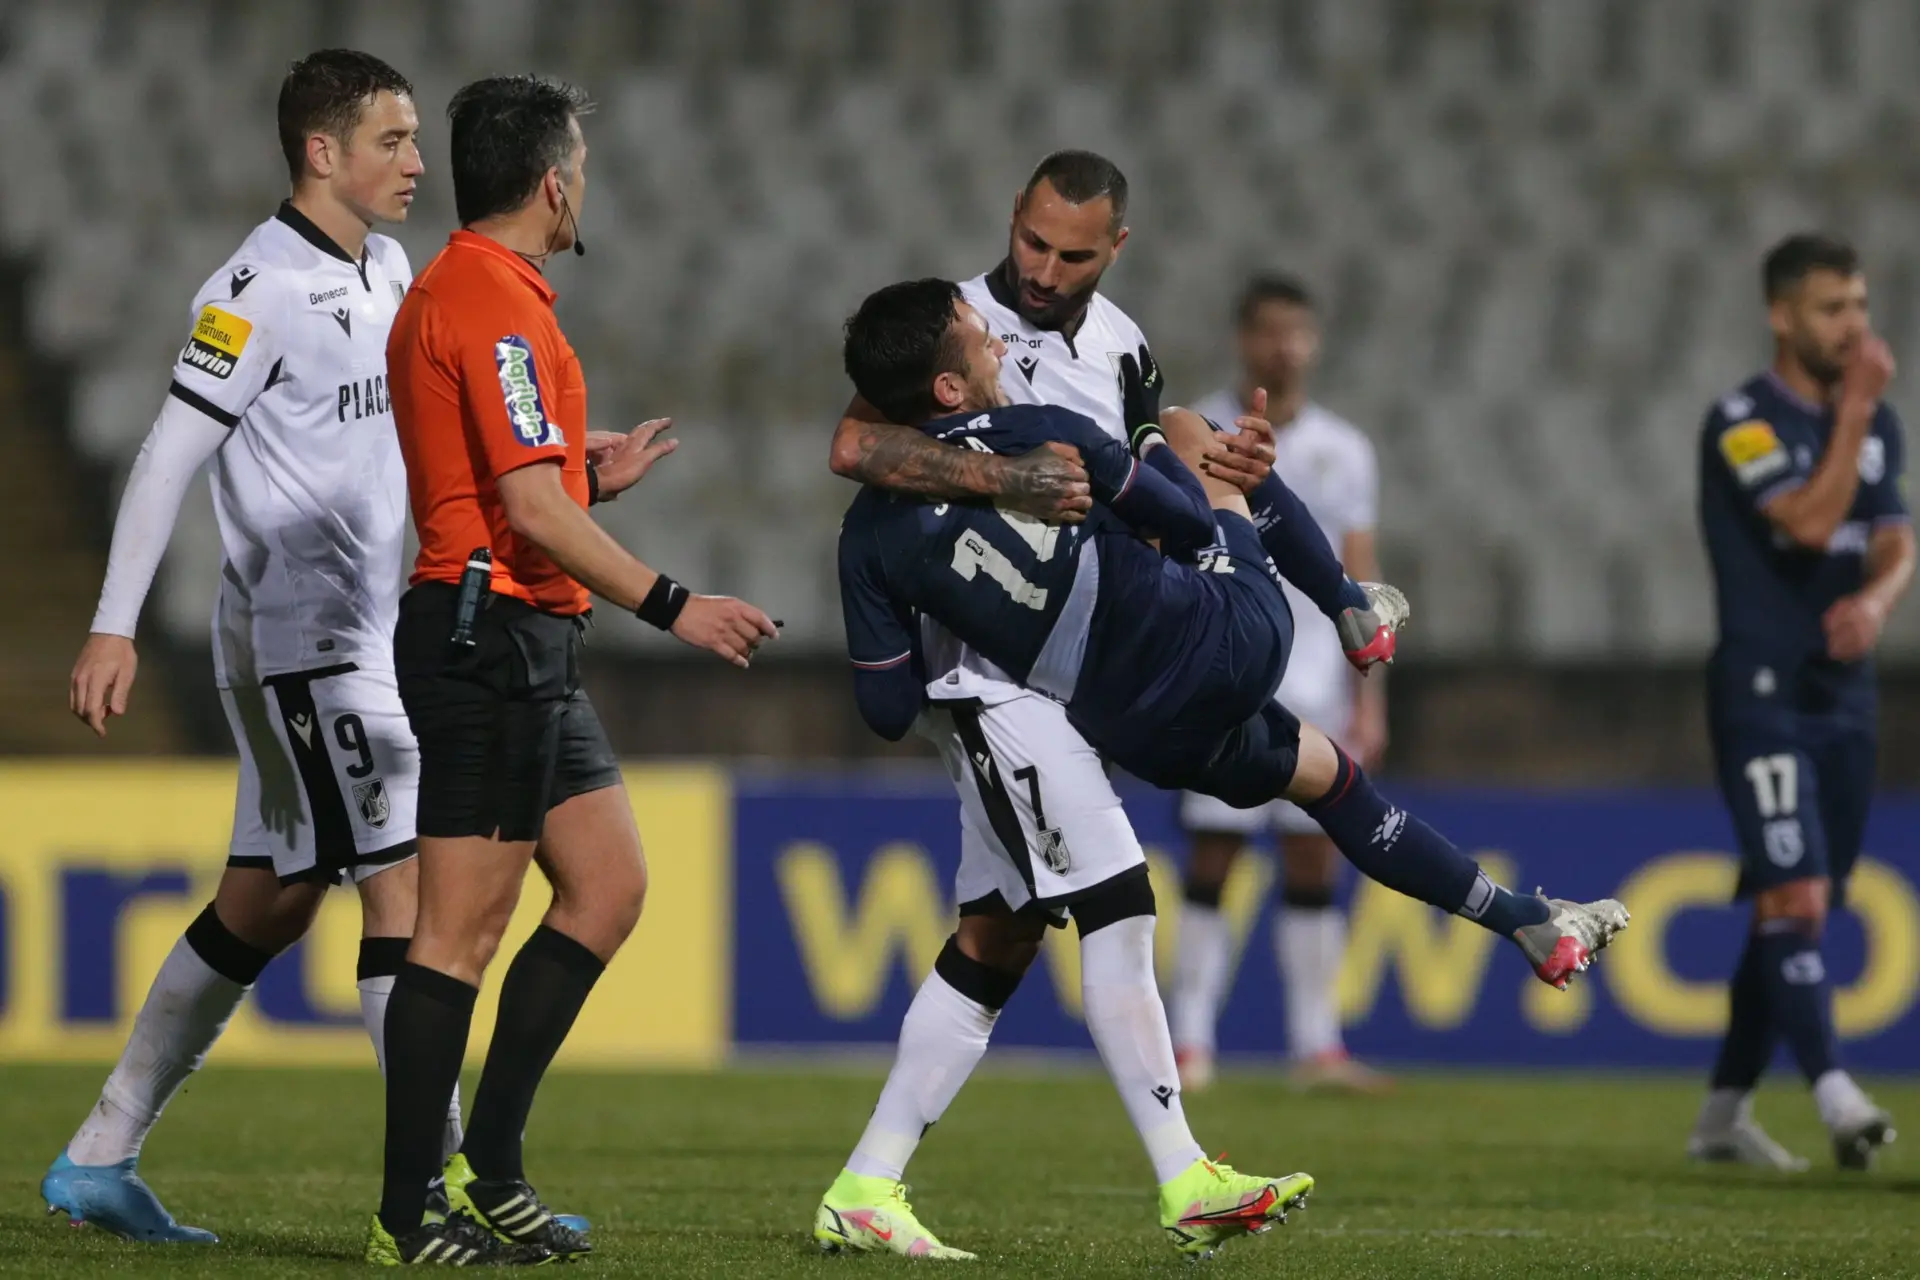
x: 428, y: 1017
x: 1799, y: 998
x: 1393, y: 847
x: 544, y: 988
x: 1748, y: 1045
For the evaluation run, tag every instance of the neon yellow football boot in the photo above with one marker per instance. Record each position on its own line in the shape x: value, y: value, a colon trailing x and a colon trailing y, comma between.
x: 871, y: 1215
x: 1210, y: 1204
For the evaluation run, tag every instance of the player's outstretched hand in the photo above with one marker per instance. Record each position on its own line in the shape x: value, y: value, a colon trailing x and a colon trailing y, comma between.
x: 1369, y: 636
x: 722, y: 625
x: 102, y: 680
x: 1852, y: 626
x: 1868, y: 370
x: 1140, y: 386
x: 623, y: 459
x: 1049, y: 483
x: 1244, y: 458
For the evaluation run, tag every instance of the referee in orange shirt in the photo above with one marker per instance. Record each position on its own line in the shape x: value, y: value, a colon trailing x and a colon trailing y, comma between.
x: 514, y: 766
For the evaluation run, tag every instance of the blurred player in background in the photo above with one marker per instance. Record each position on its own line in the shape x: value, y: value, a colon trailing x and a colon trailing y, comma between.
x: 282, y: 383
x: 1802, y: 510
x: 1330, y: 464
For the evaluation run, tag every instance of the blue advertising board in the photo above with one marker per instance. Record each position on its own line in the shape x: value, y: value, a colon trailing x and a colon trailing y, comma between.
x: 843, y: 896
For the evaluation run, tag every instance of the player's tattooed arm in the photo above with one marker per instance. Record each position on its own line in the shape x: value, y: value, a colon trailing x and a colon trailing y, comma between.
x: 1050, y: 483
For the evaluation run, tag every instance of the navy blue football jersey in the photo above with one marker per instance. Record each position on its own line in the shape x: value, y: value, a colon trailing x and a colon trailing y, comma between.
x: 1756, y: 444
x: 1043, y: 602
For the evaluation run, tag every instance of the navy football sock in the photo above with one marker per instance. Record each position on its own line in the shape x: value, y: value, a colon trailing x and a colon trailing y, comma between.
x: 1392, y: 846
x: 1299, y: 548
x: 1750, y: 1032
x: 1799, y: 998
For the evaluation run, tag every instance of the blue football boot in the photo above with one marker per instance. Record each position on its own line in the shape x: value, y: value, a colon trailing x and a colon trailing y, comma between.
x: 114, y: 1198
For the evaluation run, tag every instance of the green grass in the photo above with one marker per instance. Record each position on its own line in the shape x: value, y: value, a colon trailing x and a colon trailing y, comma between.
x: 1038, y: 1172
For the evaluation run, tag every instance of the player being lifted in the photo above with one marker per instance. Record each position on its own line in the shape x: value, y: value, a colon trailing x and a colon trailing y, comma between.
x: 282, y: 384
x: 1801, y: 508
x: 1329, y: 463
x: 1167, y: 668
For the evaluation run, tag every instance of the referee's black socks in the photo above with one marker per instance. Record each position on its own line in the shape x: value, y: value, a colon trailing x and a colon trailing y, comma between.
x: 428, y: 1017
x: 544, y: 989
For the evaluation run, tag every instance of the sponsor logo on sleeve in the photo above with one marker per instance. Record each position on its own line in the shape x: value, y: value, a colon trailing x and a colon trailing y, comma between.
x: 218, y: 339
x: 1753, y: 451
x: 520, y: 387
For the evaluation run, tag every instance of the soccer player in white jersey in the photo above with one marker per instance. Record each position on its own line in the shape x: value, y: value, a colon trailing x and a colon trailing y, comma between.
x: 1330, y: 463
x: 282, y: 385
x: 1065, y: 346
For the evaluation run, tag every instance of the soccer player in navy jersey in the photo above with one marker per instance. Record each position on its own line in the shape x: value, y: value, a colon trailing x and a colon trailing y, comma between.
x: 1804, y: 520
x: 1165, y: 663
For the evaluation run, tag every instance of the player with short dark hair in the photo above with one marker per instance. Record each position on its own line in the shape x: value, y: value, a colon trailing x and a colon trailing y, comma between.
x: 1164, y: 664
x: 1806, y: 525
x: 282, y: 386
x: 1330, y: 463
x: 490, y: 405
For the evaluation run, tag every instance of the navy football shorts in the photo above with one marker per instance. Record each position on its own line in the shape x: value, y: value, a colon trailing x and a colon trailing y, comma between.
x: 1798, y: 786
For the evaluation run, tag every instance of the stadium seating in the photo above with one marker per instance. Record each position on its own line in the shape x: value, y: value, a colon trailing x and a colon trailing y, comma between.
x: 1535, y: 226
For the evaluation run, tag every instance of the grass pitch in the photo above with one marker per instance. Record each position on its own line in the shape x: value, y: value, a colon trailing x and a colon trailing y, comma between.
x: 1038, y: 1172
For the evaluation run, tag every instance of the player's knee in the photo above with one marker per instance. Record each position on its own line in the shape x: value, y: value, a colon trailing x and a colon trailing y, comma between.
x: 1189, y: 434
x: 390, y: 900
x: 1800, y: 904
x: 1125, y: 898
x: 223, y: 951
x: 1209, y: 865
x: 1007, y: 944
x: 263, y: 913
x: 1310, y: 866
x: 978, y: 978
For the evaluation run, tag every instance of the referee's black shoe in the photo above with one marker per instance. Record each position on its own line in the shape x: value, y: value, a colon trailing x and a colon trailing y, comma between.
x: 515, y: 1212
x: 459, y: 1240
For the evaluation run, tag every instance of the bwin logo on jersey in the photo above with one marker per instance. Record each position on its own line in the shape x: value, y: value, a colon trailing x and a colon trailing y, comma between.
x: 520, y: 386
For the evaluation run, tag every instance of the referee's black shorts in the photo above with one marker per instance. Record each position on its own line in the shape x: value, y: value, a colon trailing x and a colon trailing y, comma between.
x: 506, y: 732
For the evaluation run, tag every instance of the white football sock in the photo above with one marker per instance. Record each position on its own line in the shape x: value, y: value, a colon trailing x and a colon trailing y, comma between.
x: 1722, y: 1109
x: 1201, y: 969
x: 1309, y: 944
x: 942, y: 1040
x: 186, y: 1009
x: 374, y: 993
x: 1129, y: 1027
x: 1841, y: 1101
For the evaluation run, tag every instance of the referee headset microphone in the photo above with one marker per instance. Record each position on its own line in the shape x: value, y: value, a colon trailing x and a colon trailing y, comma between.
x: 579, y: 245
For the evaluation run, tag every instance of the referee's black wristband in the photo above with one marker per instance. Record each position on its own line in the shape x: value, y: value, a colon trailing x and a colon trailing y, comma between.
x: 664, y: 603
x: 593, y: 484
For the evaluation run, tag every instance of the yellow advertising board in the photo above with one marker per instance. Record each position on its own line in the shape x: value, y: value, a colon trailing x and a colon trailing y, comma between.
x: 105, y: 864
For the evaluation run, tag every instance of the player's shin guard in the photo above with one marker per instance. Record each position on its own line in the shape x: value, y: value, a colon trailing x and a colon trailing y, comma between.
x: 428, y: 1018
x: 942, y: 1040
x: 1799, y: 997
x: 544, y: 990
x: 203, y: 980
x: 1391, y: 846
x: 1129, y: 1024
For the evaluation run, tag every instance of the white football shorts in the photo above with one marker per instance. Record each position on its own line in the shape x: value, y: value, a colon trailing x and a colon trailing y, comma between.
x: 329, y: 774
x: 1039, y: 819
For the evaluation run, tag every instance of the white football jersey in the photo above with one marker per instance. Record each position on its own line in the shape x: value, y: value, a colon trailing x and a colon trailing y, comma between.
x: 1042, y: 366
x: 289, y: 348
x: 1330, y: 463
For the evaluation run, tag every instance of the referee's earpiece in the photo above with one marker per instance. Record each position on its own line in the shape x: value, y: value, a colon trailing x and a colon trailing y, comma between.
x: 579, y: 245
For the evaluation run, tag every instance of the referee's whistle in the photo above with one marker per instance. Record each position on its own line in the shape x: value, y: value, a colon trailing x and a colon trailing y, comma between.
x: 475, y: 582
